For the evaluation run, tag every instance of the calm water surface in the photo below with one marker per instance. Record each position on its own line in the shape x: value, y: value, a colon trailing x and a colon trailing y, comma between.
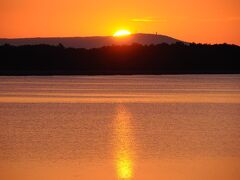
x: 120, y: 127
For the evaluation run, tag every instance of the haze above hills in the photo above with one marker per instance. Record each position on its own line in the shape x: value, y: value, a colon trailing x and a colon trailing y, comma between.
x: 93, y: 41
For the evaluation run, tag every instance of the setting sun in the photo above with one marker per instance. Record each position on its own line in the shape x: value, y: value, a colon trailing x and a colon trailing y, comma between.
x: 122, y: 33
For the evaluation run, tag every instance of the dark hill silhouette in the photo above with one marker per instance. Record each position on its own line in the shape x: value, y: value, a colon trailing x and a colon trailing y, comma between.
x: 176, y: 58
x: 93, y: 42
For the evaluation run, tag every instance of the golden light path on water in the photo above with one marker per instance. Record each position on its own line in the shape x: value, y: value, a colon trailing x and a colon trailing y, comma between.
x: 123, y: 144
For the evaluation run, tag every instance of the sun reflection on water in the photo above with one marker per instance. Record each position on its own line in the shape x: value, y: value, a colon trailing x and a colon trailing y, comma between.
x: 124, y: 168
x: 123, y: 142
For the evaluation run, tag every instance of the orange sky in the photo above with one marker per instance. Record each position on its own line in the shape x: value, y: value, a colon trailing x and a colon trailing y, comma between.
x: 210, y: 21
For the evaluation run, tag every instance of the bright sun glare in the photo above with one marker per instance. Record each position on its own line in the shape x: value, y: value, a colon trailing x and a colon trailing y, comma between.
x: 122, y: 33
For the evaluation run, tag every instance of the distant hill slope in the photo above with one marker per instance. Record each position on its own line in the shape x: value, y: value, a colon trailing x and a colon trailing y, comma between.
x: 93, y: 42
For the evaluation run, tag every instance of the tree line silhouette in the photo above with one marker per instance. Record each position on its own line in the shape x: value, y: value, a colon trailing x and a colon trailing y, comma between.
x: 176, y: 58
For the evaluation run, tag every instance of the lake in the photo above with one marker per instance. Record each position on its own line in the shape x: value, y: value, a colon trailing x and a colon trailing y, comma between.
x: 178, y: 127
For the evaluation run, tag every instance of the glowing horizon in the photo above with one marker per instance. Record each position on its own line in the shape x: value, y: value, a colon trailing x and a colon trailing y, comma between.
x: 182, y: 20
